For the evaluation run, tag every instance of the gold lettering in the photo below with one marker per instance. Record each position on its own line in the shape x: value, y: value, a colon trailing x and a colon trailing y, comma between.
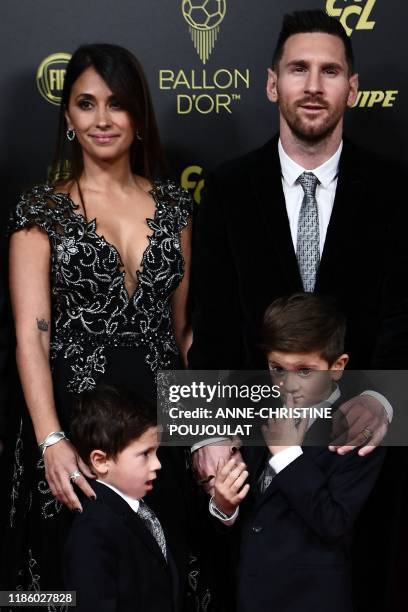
x: 223, y: 101
x: 375, y: 98
x: 362, y: 98
x: 218, y: 78
x: 166, y: 75
x: 196, y: 80
x: 184, y: 104
x: 331, y: 10
x: 363, y: 23
x: 181, y: 79
x: 350, y: 10
x: 243, y: 77
x: 57, y: 78
x: 195, y: 184
x: 390, y: 97
x: 204, y: 104
x: 186, y: 182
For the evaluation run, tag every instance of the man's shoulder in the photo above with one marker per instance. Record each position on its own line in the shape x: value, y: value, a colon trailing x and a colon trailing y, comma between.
x: 247, y: 162
x: 368, y: 162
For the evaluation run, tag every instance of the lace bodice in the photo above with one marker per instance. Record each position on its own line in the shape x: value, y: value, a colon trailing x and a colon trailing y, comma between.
x: 90, y: 303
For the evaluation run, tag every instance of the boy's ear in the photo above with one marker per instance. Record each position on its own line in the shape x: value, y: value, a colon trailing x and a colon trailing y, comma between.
x: 99, y: 462
x: 337, y: 368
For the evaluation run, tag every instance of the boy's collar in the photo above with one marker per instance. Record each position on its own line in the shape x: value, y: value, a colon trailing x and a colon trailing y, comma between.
x: 133, y: 503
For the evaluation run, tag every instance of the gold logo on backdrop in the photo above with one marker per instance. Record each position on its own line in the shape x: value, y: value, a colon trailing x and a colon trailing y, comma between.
x: 204, y: 18
x: 50, y: 76
x: 191, y: 179
x: 360, y: 10
x: 385, y: 98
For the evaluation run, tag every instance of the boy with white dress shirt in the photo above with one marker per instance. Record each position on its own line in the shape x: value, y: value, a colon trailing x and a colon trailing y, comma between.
x: 298, y: 511
x: 116, y: 557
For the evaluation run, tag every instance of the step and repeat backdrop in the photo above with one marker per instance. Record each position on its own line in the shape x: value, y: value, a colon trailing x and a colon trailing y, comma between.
x: 206, y: 62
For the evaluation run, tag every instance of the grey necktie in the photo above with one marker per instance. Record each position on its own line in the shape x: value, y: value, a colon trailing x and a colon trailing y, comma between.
x: 308, y: 235
x: 266, y: 477
x: 153, y: 524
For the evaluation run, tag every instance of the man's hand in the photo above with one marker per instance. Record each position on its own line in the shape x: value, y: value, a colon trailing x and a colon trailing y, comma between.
x: 360, y: 420
x: 229, y: 487
x: 280, y: 434
x: 207, y: 458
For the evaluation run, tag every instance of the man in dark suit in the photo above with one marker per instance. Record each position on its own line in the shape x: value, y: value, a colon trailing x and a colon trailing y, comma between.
x: 116, y: 556
x: 307, y: 211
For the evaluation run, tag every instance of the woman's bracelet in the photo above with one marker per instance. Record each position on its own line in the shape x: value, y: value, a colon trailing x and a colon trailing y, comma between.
x: 52, y: 438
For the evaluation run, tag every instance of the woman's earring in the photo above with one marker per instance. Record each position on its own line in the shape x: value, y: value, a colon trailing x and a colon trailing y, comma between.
x: 70, y: 134
x: 138, y: 136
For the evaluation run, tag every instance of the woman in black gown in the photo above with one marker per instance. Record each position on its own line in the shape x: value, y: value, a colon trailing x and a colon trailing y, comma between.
x: 99, y: 268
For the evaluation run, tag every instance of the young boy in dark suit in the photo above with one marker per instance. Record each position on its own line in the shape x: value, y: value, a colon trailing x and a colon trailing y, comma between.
x: 302, y: 501
x: 116, y: 557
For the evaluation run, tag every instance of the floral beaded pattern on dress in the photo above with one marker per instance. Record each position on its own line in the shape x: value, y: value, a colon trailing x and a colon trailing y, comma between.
x: 91, y: 308
x: 91, y: 311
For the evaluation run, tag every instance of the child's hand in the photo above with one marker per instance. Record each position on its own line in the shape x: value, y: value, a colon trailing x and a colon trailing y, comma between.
x: 280, y: 434
x: 229, y: 485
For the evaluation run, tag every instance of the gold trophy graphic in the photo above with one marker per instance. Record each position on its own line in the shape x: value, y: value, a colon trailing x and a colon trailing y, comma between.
x: 204, y: 18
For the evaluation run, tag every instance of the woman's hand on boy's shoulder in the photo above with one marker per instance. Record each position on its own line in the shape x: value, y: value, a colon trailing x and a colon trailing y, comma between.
x: 229, y: 487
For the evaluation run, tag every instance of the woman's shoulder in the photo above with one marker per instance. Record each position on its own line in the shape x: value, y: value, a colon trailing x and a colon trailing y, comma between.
x: 41, y: 205
x: 172, y: 194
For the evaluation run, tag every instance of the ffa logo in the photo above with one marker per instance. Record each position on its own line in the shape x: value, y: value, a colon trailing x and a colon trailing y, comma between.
x: 204, y: 18
x: 357, y: 9
x: 50, y: 76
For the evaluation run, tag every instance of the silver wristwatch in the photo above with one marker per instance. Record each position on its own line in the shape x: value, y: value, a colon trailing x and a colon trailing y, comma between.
x: 52, y: 438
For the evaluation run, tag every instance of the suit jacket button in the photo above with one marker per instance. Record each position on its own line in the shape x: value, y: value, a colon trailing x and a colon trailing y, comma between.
x: 257, y: 529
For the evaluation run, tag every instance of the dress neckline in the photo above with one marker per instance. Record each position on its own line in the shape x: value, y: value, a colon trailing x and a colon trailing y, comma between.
x: 93, y: 223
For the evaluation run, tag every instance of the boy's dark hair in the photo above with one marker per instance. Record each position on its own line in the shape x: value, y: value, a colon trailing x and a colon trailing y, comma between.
x: 109, y: 418
x: 306, y: 22
x: 304, y: 323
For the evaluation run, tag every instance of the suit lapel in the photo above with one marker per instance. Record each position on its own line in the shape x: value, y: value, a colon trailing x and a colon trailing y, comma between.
x: 345, y: 208
x: 133, y: 521
x: 138, y: 527
x: 270, y: 202
x: 260, y: 498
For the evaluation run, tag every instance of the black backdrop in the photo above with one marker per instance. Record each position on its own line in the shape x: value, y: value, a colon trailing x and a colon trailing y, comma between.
x: 215, y: 125
x: 209, y: 108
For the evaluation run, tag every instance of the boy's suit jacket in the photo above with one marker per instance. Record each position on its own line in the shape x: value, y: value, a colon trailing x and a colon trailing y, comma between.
x: 114, y: 563
x: 296, y: 536
x: 243, y: 259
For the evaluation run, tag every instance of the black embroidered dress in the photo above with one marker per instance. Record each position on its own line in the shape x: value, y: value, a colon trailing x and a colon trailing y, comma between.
x: 99, y: 333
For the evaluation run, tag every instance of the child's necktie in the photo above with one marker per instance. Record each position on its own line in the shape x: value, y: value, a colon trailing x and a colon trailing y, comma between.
x: 153, y: 524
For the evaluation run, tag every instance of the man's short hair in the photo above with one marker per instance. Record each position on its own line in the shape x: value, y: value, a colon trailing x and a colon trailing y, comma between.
x: 109, y: 418
x: 306, y: 22
x: 304, y: 323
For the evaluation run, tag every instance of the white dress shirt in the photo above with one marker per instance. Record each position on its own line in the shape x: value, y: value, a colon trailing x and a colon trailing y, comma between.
x: 325, y: 191
x: 282, y: 459
x: 327, y: 174
x: 133, y: 503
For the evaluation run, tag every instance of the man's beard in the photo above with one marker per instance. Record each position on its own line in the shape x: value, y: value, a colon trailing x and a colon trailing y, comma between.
x: 311, y: 132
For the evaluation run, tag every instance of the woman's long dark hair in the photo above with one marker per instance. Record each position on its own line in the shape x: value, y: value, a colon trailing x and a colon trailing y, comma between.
x: 124, y: 75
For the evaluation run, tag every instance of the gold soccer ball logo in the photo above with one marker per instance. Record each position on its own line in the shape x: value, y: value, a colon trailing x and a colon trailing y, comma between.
x: 50, y: 76
x: 204, y: 18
